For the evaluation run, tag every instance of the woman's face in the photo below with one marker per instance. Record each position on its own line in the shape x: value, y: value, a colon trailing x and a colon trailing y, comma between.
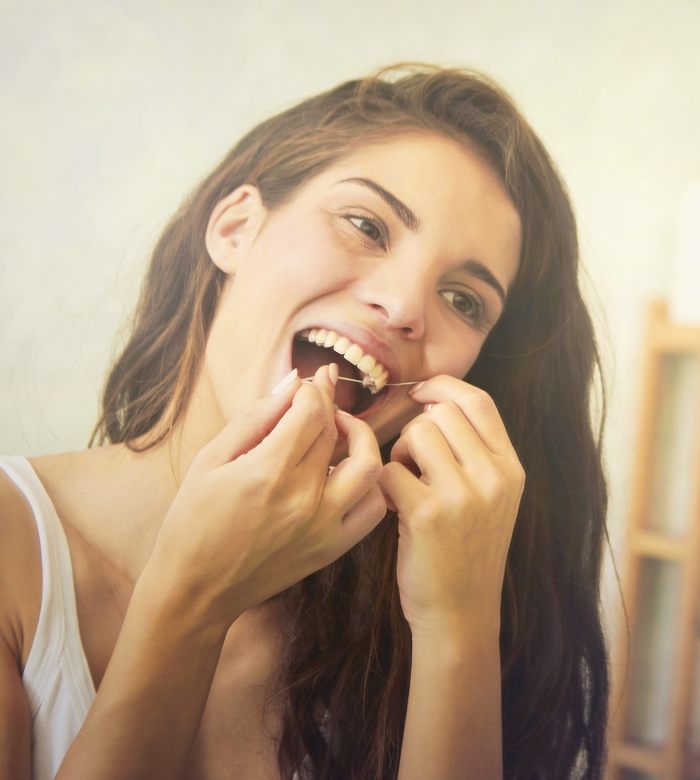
x: 401, y: 246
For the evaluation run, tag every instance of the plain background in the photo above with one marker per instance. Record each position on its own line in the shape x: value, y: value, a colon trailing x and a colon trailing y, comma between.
x: 111, y: 112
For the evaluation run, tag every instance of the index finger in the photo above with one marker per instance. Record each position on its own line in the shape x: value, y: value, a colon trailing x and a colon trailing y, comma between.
x: 476, y: 404
x: 355, y: 475
x: 310, y: 413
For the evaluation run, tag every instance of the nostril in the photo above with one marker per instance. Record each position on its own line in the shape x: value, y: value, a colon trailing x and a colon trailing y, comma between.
x: 382, y: 311
x: 401, y: 317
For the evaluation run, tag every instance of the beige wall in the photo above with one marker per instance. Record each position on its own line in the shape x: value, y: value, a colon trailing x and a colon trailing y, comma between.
x: 110, y: 112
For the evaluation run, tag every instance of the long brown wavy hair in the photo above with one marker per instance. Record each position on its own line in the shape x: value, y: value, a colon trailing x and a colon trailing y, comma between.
x: 348, y: 645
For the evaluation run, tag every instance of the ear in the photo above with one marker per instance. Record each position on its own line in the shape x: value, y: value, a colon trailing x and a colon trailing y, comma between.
x: 233, y: 224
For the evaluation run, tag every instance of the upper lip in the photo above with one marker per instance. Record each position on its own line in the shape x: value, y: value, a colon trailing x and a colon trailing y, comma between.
x: 371, y: 345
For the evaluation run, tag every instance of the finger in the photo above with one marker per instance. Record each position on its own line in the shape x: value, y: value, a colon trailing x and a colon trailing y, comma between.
x: 314, y: 463
x: 424, y: 445
x: 466, y: 445
x: 362, y: 518
x: 358, y: 472
x: 249, y: 426
x: 477, y: 405
x: 401, y: 488
x: 306, y: 419
x: 325, y: 378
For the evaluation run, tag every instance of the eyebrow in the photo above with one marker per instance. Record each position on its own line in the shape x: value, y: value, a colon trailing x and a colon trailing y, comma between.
x: 410, y: 220
x: 480, y: 271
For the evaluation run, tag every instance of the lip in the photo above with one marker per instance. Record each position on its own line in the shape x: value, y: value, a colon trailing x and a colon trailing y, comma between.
x: 370, y: 343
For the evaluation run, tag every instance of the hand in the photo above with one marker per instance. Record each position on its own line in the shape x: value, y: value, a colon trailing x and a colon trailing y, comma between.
x: 456, y: 484
x: 257, y: 510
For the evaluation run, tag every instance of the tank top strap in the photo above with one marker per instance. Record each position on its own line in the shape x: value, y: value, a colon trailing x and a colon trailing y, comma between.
x: 57, y: 638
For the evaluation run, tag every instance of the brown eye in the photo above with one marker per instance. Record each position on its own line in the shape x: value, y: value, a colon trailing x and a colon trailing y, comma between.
x: 468, y: 306
x: 367, y: 227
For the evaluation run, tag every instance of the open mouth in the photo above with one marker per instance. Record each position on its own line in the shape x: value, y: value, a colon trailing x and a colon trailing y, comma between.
x: 312, y: 348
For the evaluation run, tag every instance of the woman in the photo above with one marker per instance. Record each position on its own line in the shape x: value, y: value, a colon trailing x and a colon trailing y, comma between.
x: 247, y: 605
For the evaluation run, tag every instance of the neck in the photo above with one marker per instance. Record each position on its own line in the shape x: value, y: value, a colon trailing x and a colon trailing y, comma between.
x: 117, y: 498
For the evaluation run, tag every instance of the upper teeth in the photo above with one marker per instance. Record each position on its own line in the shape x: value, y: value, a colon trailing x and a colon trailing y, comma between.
x: 374, y: 374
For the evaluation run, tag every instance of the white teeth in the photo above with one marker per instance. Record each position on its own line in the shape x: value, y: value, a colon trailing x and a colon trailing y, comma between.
x: 341, y: 345
x: 375, y: 375
x: 354, y: 354
x: 367, y: 364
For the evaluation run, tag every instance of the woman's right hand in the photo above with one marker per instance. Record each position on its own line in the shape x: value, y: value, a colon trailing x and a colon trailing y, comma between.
x: 257, y: 511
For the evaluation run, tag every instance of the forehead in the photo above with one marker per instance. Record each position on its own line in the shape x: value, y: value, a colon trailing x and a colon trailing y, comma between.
x: 457, y: 196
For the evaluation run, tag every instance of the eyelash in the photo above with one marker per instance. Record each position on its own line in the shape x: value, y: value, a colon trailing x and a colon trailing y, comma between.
x: 376, y: 225
x: 478, y: 318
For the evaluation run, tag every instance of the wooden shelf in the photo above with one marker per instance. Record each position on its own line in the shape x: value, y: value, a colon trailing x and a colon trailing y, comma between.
x: 649, y: 544
x: 671, y: 760
x: 642, y: 758
x: 672, y: 339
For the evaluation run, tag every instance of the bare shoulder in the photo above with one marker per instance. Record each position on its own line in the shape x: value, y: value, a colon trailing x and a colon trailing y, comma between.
x: 20, y: 600
x: 20, y: 570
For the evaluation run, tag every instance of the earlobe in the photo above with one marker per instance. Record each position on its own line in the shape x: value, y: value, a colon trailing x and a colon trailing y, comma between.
x: 232, y: 226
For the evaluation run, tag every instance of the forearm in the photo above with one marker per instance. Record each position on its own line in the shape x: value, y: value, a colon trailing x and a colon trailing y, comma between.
x: 149, y: 705
x: 453, y: 721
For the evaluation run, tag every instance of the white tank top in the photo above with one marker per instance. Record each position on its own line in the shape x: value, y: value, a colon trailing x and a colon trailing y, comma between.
x: 56, y: 677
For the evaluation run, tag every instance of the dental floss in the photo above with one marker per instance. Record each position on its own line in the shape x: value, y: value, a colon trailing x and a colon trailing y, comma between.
x: 365, y: 384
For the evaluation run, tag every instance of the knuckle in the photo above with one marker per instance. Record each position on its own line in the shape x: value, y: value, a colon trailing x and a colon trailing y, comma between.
x: 370, y: 466
x: 458, y: 499
x: 520, y: 476
x: 492, y: 487
x: 417, y: 428
x: 425, y: 512
x: 481, y: 397
x: 392, y: 468
x: 445, y: 412
x: 259, y: 476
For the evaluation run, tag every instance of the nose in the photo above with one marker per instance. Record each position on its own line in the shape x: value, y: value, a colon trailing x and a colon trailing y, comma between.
x: 397, y: 296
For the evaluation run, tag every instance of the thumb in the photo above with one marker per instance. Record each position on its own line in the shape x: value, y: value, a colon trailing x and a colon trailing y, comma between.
x: 250, y: 424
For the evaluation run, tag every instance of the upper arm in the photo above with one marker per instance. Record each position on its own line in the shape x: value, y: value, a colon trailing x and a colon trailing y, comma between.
x: 20, y: 601
x: 15, y: 719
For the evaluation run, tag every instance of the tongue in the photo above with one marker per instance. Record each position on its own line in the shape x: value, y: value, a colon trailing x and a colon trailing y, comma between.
x: 307, y: 358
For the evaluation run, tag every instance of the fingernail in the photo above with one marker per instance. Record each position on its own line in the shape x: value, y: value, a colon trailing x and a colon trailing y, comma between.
x: 291, y: 376
x: 415, y: 388
x: 333, y: 373
x: 343, y: 412
x: 428, y: 407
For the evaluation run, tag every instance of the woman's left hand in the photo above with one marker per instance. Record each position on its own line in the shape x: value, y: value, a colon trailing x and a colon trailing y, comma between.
x: 456, y: 517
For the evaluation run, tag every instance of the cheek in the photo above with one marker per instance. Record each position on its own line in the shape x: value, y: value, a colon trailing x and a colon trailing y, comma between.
x: 298, y: 244
x: 455, y: 360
